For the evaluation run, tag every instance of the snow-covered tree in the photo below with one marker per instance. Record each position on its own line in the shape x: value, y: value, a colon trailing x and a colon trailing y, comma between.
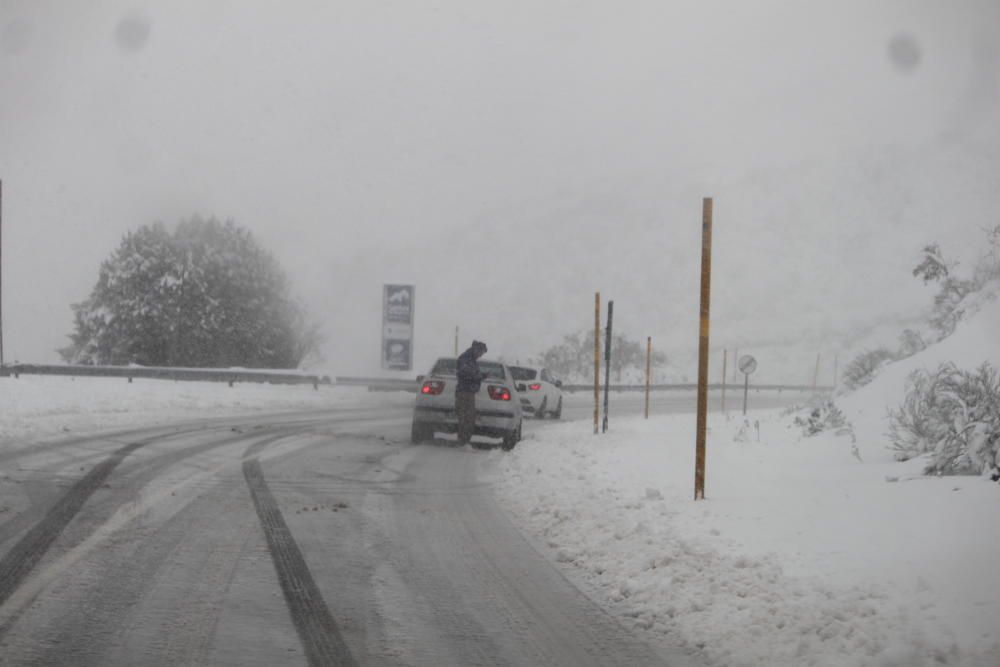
x: 933, y: 267
x: 204, y: 295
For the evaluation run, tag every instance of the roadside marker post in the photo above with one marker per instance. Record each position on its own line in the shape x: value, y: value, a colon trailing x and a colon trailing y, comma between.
x: 607, y: 365
x: 706, y: 288
x: 1, y: 275
x: 597, y: 358
x: 725, y: 353
x: 649, y: 355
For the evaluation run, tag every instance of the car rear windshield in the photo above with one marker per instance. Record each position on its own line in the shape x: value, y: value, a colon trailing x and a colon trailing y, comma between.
x: 523, y: 373
x: 444, y: 367
x: 490, y: 369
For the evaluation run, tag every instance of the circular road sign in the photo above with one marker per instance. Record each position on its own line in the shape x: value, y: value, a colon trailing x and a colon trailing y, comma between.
x: 747, y: 364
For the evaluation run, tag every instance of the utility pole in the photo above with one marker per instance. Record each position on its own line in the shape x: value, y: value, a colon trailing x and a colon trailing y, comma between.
x: 706, y: 289
x: 607, y: 363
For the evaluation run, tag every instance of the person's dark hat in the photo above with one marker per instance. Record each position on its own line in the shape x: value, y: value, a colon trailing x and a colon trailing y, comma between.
x: 479, y: 345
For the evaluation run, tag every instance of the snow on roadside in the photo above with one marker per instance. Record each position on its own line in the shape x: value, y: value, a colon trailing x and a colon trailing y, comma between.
x: 802, y: 554
x: 817, y: 550
x: 38, y: 406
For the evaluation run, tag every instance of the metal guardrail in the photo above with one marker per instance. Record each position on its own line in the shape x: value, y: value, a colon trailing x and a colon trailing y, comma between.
x: 379, y: 384
x: 693, y: 386
x: 403, y: 384
x: 230, y: 375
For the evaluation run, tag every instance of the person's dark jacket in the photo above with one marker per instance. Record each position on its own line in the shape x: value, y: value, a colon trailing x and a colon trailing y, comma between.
x: 468, y: 372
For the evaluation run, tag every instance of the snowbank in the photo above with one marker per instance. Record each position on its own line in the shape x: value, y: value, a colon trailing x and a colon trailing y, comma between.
x: 976, y: 340
x: 808, y: 550
x: 41, y: 406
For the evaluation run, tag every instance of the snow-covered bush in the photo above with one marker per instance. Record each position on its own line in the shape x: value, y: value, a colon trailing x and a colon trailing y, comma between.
x: 862, y: 369
x: 825, y: 417
x: 949, y: 302
x: 910, y: 343
x: 953, y: 415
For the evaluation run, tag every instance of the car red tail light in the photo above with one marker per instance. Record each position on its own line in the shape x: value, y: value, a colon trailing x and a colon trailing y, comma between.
x: 534, y: 387
x: 432, y: 387
x: 498, y: 393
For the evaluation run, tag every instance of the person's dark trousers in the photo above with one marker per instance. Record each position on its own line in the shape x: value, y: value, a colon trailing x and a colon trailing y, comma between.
x: 465, y: 410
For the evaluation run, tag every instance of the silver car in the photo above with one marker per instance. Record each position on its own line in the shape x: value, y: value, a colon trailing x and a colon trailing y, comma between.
x: 498, y: 405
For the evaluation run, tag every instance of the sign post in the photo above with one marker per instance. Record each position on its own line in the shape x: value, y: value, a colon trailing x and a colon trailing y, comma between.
x: 706, y: 289
x: 397, y: 327
x: 747, y: 365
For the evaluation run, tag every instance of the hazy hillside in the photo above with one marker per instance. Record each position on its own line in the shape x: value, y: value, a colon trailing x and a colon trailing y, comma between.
x: 810, y: 259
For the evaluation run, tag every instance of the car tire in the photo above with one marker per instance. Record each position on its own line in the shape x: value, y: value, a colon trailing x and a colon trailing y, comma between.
x: 557, y: 414
x: 421, y: 432
x: 511, y: 438
x: 540, y: 413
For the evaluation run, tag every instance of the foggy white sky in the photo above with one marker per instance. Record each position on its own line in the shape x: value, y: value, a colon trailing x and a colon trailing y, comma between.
x: 355, y: 138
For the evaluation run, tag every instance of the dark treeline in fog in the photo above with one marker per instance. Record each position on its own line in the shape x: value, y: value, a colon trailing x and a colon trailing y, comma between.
x: 204, y: 294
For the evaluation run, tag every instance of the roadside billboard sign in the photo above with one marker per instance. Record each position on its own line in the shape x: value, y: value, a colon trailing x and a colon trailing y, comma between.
x: 397, y: 327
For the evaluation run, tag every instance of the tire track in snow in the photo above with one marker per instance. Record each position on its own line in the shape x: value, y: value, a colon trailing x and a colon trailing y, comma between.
x: 18, y: 563
x: 321, y: 638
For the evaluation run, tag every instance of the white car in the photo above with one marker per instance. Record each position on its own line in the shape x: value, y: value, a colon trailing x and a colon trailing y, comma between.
x: 498, y: 405
x: 540, y: 389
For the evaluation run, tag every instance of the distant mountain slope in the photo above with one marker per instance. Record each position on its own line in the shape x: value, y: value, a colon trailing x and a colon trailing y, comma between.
x: 812, y: 258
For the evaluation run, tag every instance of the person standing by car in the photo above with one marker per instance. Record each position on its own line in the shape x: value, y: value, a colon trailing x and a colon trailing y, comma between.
x: 470, y: 376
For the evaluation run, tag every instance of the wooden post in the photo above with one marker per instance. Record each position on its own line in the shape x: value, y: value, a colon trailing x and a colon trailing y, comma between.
x: 1, y: 274
x: 724, y: 360
x: 649, y: 356
x: 836, y: 364
x: 736, y: 358
x: 597, y: 358
x: 456, y: 340
x: 706, y: 289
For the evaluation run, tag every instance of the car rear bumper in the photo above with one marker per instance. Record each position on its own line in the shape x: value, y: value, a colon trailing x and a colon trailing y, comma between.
x: 492, y: 422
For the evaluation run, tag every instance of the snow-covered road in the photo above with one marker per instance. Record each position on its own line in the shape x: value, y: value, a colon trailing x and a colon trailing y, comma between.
x: 318, y: 538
